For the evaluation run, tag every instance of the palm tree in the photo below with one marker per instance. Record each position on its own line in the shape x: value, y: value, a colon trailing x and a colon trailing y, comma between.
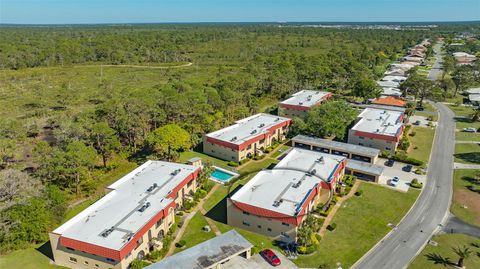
x: 463, y: 253
x: 476, y: 114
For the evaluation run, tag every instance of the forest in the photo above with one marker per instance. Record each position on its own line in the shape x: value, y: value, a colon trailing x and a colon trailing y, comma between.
x: 81, y: 104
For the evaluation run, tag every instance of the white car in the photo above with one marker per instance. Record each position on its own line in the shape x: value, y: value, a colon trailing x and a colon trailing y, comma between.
x: 394, y: 181
x: 470, y: 130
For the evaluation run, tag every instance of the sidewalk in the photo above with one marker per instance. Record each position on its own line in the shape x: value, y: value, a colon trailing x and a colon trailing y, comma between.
x: 181, y: 231
x: 332, y: 213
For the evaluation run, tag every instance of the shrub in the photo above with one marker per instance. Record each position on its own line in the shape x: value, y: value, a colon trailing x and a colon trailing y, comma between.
x: 359, y: 193
x: 255, y: 250
x: 332, y: 226
x: 154, y: 256
x: 413, y: 133
x: 318, y: 237
x: 244, y: 161
x: 416, y: 184
x: 258, y: 157
x: 306, y: 250
x: 232, y: 164
x: 180, y: 244
x: 404, y: 158
x: 137, y: 264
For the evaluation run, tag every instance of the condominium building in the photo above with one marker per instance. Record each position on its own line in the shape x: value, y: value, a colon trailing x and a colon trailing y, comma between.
x: 129, y: 221
x: 299, y: 103
x: 378, y: 128
x: 276, y: 202
x: 247, y: 137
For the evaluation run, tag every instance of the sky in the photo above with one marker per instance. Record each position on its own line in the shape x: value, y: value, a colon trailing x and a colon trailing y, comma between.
x: 150, y: 11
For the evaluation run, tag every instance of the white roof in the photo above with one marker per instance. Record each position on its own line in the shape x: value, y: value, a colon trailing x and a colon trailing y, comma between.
x: 403, y: 66
x: 247, y: 128
x: 306, y: 98
x: 463, y: 54
x: 474, y: 97
x: 282, y: 183
x: 394, y: 71
x: 394, y: 78
x: 388, y: 84
x: 413, y: 59
x: 391, y: 91
x: 379, y: 121
x: 473, y: 91
x: 120, y: 207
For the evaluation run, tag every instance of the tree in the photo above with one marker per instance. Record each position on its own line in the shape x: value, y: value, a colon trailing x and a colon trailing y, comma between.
x: 167, y: 138
x: 331, y: 118
x: 366, y: 88
x: 461, y: 77
x: 104, y: 141
x: 419, y: 86
x: 16, y: 187
x: 463, y: 253
x: 476, y: 114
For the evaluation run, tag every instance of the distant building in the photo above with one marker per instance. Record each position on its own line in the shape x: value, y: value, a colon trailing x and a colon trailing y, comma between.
x: 299, y: 103
x: 129, y: 221
x: 214, y: 253
x: 474, y: 99
x: 391, y: 92
x: 377, y: 128
x: 390, y: 101
x: 276, y: 202
x: 247, y: 137
x: 395, y: 72
x: 464, y: 58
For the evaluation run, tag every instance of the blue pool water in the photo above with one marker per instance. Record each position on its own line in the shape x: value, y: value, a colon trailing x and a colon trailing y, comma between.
x: 221, y: 175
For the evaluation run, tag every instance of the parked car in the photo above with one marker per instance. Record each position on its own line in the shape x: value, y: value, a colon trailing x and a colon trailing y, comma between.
x: 420, y: 108
x: 394, y: 181
x: 407, y: 168
x: 416, y: 122
x: 469, y: 130
x: 390, y: 162
x: 271, y: 257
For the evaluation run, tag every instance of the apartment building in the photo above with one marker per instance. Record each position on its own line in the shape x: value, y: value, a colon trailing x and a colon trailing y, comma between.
x: 299, y: 103
x: 276, y: 202
x: 129, y: 221
x: 247, y: 137
x: 378, y: 128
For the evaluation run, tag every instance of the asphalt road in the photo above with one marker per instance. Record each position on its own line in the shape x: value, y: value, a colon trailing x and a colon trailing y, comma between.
x: 437, y: 66
x: 403, y: 243
x: 456, y: 225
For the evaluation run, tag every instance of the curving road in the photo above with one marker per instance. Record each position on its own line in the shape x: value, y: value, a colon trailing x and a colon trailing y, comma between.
x: 437, y: 66
x: 403, y: 243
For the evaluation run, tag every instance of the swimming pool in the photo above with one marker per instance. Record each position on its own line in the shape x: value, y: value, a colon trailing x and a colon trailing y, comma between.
x: 222, y: 175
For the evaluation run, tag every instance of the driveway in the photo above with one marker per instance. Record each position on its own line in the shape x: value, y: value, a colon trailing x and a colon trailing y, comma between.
x: 401, y: 245
x: 396, y: 171
x: 423, y: 122
x: 257, y: 261
x: 466, y: 166
x: 455, y: 225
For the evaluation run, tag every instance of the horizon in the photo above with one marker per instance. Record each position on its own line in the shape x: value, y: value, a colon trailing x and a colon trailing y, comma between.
x: 57, y: 12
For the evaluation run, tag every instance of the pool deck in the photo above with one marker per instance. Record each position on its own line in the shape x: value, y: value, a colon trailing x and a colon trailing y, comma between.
x: 234, y: 175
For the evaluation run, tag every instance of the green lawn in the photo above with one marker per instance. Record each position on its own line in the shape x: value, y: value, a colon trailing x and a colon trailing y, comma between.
x: 464, y: 136
x: 29, y: 258
x: 467, y: 153
x: 463, y: 111
x: 466, y: 203
x: 280, y: 151
x: 255, y: 166
x: 421, y: 143
x: 361, y: 223
x: 194, y: 234
x: 185, y: 156
x: 442, y: 256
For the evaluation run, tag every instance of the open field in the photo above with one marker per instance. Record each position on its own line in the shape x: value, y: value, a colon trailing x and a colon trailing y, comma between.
x: 467, y: 153
x: 194, y: 234
x: 442, y: 256
x: 466, y: 202
x: 29, y: 258
x: 361, y: 223
x: 464, y: 136
x: 421, y: 143
x: 185, y: 156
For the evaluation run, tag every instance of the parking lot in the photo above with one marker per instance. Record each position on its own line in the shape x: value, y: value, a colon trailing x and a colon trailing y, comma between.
x: 423, y: 122
x: 396, y: 170
x: 257, y: 261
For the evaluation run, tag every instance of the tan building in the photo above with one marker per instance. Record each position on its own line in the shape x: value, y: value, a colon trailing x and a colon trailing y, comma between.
x: 276, y: 202
x: 129, y: 221
x: 378, y: 128
x: 300, y: 103
x: 247, y: 138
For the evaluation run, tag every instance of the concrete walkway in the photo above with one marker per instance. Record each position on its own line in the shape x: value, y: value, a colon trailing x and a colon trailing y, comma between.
x: 210, y: 222
x: 179, y: 233
x: 332, y: 213
x: 467, y: 142
x: 466, y: 166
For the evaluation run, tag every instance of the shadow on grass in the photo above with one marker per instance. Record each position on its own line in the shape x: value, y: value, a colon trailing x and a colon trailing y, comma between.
x: 463, y: 119
x: 471, y: 157
x: 219, y: 211
x: 438, y: 259
x: 46, y: 250
x: 471, y: 180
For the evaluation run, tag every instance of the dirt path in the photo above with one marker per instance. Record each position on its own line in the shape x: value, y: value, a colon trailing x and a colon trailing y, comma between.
x: 138, y: 66
x: 186, y: 220
x: 330, y: 216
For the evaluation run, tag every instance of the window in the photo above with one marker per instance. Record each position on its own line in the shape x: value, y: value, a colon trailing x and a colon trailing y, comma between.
x: 70, y: 249
x: 361, y: 137
x: 268, y: 229
x: 259, y: 226
x: 387, y: 148
x: 285, y: 224
x: 249, y: 146
x: 159, y: 222
x: 110, y: 260
x: 139, y: 242
x: 361, y: 144
x: 96, y: 265
x: 285, y: 234
x: 246, y: 223
x: 245, y: 213
x: 262, y: 141
x: 72, y: 259
x: 85, y: 262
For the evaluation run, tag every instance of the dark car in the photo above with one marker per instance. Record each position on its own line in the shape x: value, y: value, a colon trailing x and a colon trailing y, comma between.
x: 271, y: 257
x: 407, y: 168
x: 419, y: 108
x: 390, y: 162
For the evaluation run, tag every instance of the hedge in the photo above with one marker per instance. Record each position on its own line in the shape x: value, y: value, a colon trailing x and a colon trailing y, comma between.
x: 332, y: 226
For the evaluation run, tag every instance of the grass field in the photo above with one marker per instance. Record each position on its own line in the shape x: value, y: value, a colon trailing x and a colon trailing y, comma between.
x: 466, y: 203
x: 421, y: 143
x: 464, y: 136
x: 185, y: 156
x: 29, y: 258
x: 442, y: 256
x: 467, y: 153
x: 193, y: 232
x: 361, y: 223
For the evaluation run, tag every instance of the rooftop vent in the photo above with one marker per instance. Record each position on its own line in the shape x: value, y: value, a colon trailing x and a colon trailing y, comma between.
x: 277, y: 203
x: 261, y: 125
x: 144, y: 207
x: 320, y: 160
x: 151, y: 188
x: 107, y: 232
x: 175, y: 172
x: 233, y: 138
x: 253, y: 132
x: 300, y: 103
x: 312, y: 173
x: 297, y: 184
x: 277, y: 119
x: 378, y: 130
